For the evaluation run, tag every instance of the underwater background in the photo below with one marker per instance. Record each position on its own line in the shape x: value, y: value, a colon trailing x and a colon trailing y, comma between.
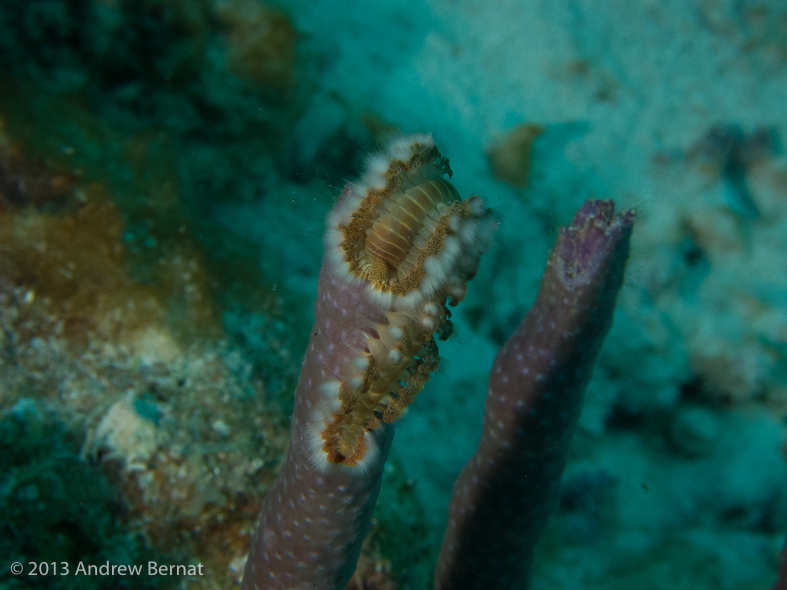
x: 166, y: 167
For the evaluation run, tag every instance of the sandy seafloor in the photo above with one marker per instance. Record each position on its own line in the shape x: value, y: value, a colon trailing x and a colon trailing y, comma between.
x: 678, y: 472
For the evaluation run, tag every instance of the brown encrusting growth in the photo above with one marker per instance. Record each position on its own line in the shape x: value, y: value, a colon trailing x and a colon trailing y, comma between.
x: 24, y: 183
x: 510, y: 158
x: 261, y: 44
x: 154, y: 407
x: 73, y: 264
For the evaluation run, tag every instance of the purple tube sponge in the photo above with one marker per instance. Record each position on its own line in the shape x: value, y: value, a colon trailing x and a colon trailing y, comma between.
x: 781, y: 577
x: 505, y: 494
x: 316, y: 515
x: 400, y: 247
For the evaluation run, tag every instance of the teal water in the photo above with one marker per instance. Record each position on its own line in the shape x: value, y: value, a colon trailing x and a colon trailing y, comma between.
x: 165, y: 171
